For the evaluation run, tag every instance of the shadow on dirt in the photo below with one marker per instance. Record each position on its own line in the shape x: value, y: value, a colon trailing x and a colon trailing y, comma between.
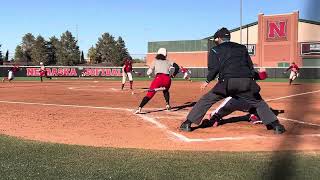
x: 175, y: 108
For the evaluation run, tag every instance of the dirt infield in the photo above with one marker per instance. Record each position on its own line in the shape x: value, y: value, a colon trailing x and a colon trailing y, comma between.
x: 98, y: 113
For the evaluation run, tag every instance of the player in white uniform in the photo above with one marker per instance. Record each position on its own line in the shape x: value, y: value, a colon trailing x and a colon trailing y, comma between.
x: 11, y: 73
x: 127, y: 71
x: 43, y: 72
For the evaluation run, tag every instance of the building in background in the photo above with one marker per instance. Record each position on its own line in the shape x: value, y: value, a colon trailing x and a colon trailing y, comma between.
x: 272, y: 41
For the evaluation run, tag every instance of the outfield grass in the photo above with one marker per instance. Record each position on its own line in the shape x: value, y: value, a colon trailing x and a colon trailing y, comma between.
x: 23, y: 159
x: 148, y: 79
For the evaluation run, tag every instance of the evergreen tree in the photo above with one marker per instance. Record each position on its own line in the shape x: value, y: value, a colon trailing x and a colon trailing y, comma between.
x: 92, y: 55
x: 39, y: 51
x: 18, y: 55
x: 106, y: 49
x: 68, y: 51
x: 82, y: 60
x: 1, y: 58
x: 27, y: 44
x: 6, y: 57
x: 122, y: 51
x: 52, y: 46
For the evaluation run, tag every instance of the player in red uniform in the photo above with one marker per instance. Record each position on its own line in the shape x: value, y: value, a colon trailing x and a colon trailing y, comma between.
x: 11, y: 73
x: 43, y: 72
x: 127, y: 71
x: 161, y: 67
x: 294, y: 72
x: 186, y: 73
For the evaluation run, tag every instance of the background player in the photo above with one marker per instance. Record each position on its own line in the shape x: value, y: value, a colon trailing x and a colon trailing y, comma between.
x: 294, y: 72
x: 161, y: 67
x: 127, y: 71
x: 186, y: 73
x: 11, y: 73
x: 43, y: 72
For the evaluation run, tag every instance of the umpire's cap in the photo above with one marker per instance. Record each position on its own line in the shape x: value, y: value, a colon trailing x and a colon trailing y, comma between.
x: 222, y: 33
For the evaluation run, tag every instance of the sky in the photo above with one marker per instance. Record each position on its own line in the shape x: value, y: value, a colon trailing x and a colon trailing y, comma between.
x: 136, y: 21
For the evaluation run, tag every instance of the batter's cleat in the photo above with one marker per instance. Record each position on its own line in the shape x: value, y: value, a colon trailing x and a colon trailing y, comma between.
x: 255, y: 119
x: 186, y: 126
x: 168, y: 107
x: 138, y: 111
x: 214, y: 121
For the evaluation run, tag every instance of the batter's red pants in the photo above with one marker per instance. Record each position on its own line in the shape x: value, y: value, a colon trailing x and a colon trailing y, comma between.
x: 161, y: 80
x: 43, y: 73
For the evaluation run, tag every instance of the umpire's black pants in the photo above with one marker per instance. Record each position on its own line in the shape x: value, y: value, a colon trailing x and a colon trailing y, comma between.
x: 240, y: 88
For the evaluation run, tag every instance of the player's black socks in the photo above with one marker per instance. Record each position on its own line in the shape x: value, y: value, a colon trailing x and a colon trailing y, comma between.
x: 166, y: 95
x: 122, y: 86
x: 290, y: 81
x: 144, y: 101
x: 131, y: 82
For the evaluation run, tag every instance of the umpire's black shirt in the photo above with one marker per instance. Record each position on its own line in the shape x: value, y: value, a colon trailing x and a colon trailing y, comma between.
x: 229, y: 60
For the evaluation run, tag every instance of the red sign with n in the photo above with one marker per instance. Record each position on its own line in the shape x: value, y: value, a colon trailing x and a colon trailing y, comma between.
x: 277, y: 30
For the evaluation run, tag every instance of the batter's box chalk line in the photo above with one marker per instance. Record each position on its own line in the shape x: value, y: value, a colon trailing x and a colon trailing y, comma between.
x: 93, y: 89
x: 154, y: 121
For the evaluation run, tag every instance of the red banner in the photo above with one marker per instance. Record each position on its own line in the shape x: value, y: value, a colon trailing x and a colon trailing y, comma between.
x: 102, y: 72
x: 53, y: 72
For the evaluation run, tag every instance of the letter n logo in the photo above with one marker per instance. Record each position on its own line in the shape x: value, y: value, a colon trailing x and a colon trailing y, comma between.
x: 277, y: 30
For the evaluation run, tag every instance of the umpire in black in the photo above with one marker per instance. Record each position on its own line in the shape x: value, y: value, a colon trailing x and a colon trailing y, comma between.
x: 233, y: 64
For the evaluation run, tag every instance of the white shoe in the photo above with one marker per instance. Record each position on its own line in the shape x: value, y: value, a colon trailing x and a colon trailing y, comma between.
x: 138, y: 111
x: 168, y: 107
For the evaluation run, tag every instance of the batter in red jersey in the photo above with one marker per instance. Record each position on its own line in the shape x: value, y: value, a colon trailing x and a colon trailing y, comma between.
x: 43, y: 72
x: 186, y: 73
x: 127, y: 71
x: 294, y: 72
x: 11, y: 73
x: 161, y: 67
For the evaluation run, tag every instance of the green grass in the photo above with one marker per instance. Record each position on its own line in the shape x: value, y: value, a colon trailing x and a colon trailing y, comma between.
x: 23, y: 159
x: 148, y: 79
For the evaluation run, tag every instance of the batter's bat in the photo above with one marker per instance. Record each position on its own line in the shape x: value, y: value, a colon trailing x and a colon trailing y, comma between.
x: 149, y: 90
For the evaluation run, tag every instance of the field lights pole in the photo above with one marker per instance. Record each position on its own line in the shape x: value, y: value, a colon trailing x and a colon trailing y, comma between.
x: 240, y: 21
